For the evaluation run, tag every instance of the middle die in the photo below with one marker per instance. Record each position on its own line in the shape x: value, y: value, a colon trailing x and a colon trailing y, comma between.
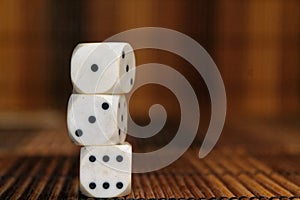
x: 97, y: 119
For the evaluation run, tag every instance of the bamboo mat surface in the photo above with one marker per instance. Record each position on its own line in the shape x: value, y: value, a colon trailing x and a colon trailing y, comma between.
x: 42, y: 163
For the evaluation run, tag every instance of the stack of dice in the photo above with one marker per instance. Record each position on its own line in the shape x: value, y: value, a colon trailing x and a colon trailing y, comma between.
x: 101, y: 74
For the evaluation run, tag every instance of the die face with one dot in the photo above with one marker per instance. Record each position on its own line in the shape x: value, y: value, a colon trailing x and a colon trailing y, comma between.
x: 97, y: 119
x: 101, y: 68
x: 105, y: 171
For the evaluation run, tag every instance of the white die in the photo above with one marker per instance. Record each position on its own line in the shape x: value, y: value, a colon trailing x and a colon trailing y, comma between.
x: 101, y: 68
x: 97, y: 119
x: 105, y: 171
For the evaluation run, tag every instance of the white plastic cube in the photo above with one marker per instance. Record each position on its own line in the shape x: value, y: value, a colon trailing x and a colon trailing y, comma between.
x: 105, y: 171
x: 97, y: 119
x: 103, y: 68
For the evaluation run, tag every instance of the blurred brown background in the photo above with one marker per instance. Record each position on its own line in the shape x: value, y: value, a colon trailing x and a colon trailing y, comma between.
x: 255, y: 44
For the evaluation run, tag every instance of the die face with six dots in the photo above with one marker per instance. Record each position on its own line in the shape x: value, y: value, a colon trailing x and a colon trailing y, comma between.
x: 105, y: 171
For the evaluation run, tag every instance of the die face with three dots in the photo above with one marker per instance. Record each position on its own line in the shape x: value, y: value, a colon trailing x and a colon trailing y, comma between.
x: 105, y: 171
x: 97, y: 119
x: 103, y: 68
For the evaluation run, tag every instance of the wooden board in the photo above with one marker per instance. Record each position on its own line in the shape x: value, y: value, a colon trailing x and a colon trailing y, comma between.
x: 42, y: 163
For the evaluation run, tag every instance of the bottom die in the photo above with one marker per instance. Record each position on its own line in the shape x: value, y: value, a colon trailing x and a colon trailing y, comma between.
x: 105, y: 171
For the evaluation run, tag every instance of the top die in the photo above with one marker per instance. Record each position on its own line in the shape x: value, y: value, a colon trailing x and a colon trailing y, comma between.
x: 103, y: 68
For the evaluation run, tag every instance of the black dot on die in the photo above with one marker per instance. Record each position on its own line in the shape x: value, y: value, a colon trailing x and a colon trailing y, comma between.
x: 105, y: 158
x: 94, y: 67
x: 92, y: 158
x: 92, y: 119
x: 131, y: 81
x: 105, y: 185
x: 122, y: 118
x: 123, y: 54
x: 119, y: 131
x: 127, y: 68
x: 78, y: 132
x: 92, y: 185
x: 119, y: 158
x: 105, y: 106
x: 119, y: 185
